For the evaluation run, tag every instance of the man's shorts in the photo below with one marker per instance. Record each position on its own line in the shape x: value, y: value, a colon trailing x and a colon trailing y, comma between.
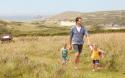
x: 95, y: 61
x: 77, y: 47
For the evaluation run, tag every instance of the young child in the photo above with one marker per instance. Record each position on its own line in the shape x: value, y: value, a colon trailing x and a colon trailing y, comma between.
x: 64, y: 54
x: 96, y: 55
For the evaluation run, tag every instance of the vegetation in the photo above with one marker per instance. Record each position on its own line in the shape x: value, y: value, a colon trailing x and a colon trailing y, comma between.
x: 39, y: 57
x: 30, y: 29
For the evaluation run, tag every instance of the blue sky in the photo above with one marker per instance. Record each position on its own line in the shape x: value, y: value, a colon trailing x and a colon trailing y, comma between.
x: 49, y: 7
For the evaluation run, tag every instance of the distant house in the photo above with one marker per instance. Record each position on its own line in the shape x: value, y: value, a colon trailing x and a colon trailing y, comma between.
x: 67, y: 23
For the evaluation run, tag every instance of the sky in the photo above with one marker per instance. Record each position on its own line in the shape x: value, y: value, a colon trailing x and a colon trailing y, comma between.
x: 50, y: 7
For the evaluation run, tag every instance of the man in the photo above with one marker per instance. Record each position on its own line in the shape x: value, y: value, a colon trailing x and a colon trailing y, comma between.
x: 77, y: 34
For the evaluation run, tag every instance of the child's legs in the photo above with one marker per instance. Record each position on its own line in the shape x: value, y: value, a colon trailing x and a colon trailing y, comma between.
x: 64, y: 60
x: 93, y: 64
x: 97, y: 64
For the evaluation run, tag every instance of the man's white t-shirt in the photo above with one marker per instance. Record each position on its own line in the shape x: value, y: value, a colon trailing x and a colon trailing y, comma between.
x: 78, y: 28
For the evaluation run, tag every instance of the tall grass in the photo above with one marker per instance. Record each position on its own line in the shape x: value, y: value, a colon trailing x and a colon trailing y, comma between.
x: 113, y: 44
x: 39, y: 57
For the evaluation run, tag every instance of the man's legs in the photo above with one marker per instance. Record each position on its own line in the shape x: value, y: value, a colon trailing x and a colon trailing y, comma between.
x: 78, y: 49
x: 77, y: 58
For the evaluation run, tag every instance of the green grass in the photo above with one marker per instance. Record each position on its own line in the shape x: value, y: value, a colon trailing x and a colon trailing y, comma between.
x: 39, y: 57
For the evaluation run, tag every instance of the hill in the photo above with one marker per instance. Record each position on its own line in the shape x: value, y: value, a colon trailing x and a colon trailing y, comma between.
x: 68, y: 15
x: 99, y: 17
x: 51, y: 25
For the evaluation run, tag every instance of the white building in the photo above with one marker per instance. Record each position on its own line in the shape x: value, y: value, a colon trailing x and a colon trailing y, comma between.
x: 67, y: 23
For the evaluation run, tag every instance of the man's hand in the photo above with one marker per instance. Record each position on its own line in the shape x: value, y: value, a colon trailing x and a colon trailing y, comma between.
x: 70, y: 47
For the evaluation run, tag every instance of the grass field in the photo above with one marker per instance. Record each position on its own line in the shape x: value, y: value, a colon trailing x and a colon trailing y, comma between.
x: 39, y: 57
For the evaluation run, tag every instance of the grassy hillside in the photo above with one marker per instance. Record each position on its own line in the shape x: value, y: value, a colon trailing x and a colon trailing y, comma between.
x: 31, y: 29
x: 93, y: 21
x: 41, y: 29
x: 69, y: 15
x: 95, y: 18
x: 39, y: 57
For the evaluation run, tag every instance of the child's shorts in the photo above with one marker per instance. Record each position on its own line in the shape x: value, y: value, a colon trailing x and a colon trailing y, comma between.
x: 95, y: 61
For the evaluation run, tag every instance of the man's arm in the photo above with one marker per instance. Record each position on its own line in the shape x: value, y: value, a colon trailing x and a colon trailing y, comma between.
x: 88, y: 39
x: 70, y: 39
x: 70, y: 42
